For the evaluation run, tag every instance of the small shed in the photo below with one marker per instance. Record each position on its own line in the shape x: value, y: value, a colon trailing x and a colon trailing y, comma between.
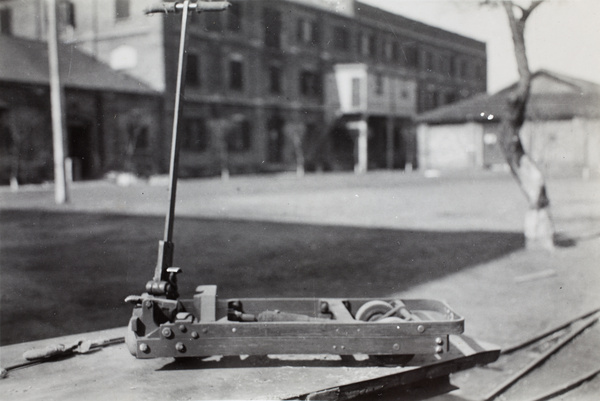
x: 561, y: 132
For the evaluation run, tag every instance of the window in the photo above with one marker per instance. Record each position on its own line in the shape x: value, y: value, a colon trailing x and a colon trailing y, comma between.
x: 479, y: 71
x: 301, y: 34
x: 367, y: 45
x: 275, y: 79
x: 195, y: 135
x: 445, y: 65
x: 395, y: 51
x: 6, y: 21
x: 234, y: 18
x: 212, y: 22
x: 272, y: 24
x: 310, y: 84
x: 378, y: 84
x: 341, y: 38
x: 356, y: 95
x: 192, y: 72
x: 6, y: 138
x: 451, y: 97
x: 316, y: 33
x: 236, y: 75
x: 142, y: 141
x: 463, y: 69
x: 453, y: 66
x: 372, y: 45
x: 137, y: 134
x: 430, y: 100
x: 427, y: 61
x: 121, y: 9
x: 388, y: 50
x: 362, y: 44
x: 410, y: 55
x: 307, y: 32
x: 240, y: 137
x: 67, y: 13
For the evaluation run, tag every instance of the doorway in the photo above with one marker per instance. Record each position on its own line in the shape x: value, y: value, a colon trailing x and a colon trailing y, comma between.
x: 81, y: 151
x: 276, y: 139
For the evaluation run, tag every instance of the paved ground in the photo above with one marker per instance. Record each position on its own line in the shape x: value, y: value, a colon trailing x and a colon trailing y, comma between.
x: 468, y: 201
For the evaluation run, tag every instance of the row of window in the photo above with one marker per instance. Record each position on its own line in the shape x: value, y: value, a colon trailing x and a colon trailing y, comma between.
x: 368, y: 45
x: 66, y: 15
x: 197, y: 138
x: 454, y: 66
x: 309, y: 82
x: 307, y: 32
x: 431, y: 99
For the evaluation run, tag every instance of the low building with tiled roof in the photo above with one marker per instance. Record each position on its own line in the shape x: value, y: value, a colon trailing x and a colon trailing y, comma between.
x: 562, y: 129
x: 112, y: 119
x: 26, y: 61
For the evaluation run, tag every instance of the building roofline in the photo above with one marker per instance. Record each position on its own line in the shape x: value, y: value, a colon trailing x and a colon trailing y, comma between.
x: 373, y: 13
x: 28, y: 64
x: 583, y: 101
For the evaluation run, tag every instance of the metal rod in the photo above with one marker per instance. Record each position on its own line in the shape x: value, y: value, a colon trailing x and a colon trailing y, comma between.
x: 177, y: 124
x: 165, y: 258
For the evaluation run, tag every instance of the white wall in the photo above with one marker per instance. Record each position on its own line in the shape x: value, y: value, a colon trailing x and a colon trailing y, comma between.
x: 456, y: 146
x: 564, y: 147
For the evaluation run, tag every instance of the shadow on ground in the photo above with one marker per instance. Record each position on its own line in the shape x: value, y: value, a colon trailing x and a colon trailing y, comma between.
x: 66, y: 273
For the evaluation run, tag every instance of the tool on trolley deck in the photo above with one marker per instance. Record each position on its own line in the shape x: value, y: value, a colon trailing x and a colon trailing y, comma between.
x: 164, y: 325
x: 58, y: 351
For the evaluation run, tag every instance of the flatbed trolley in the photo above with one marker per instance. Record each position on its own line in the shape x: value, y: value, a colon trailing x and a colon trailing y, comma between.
x: 164, y: 325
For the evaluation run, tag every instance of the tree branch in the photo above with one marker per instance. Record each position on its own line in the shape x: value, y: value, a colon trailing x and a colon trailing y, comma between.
x: 527, y: 12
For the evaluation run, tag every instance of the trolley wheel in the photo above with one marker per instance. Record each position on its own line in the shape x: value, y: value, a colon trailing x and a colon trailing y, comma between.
x: 372, y: 310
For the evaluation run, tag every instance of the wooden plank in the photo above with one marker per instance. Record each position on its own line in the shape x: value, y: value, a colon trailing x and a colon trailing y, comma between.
x: 112, y: 373
x: 322, y: 329
x: 289, y: 345
x: 410, y: 382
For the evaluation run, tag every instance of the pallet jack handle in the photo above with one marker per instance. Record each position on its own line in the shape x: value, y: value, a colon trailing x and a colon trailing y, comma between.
x: 164, y: 281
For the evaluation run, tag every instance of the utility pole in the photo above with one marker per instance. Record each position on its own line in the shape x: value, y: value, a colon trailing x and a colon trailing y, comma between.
x: 61, y: 194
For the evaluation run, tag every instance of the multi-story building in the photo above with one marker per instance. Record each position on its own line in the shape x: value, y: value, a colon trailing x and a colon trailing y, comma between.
x: 334, y: 83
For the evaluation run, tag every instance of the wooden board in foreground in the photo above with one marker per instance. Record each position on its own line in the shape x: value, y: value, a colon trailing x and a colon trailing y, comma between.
x: 112, y: 373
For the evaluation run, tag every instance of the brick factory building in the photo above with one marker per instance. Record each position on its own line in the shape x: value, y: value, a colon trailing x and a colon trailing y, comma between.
x: 337, y: 84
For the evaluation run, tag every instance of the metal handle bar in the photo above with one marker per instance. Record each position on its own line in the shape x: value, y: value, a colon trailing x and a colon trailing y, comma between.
x: 200, y: 6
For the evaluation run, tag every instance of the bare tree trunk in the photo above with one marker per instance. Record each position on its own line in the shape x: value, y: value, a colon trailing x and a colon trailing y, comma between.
x: 13, y: 131
x: 296, y: 132
x: 539, y: 230
x: 219, y: 130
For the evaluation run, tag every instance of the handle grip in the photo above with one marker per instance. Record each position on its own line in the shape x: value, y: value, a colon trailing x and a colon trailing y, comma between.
x: 48, y: 352
x: 200, y: 6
